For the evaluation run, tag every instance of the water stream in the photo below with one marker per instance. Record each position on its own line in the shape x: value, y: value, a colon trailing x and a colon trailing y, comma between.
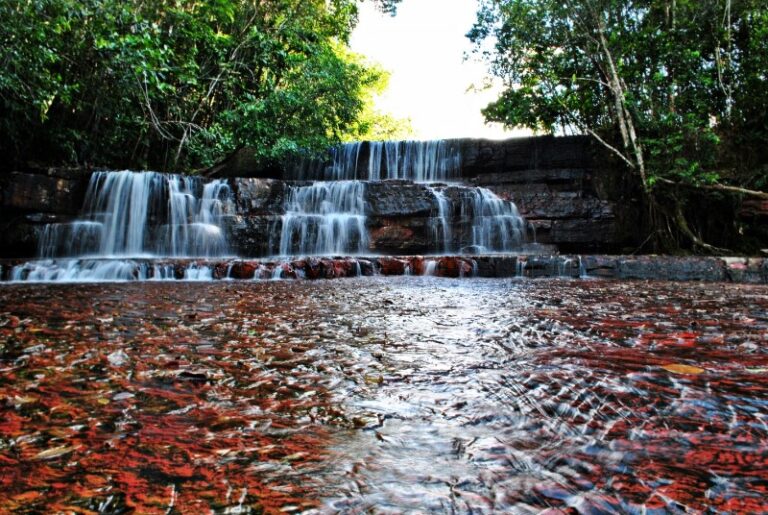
x: 324, y: 218
x: 386, y: 395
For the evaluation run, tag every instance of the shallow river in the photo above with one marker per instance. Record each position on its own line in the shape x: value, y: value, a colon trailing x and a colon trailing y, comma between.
x: 384, y: 395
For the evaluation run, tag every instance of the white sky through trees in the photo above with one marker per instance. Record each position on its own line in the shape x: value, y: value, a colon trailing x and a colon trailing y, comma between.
x: 423, y: 47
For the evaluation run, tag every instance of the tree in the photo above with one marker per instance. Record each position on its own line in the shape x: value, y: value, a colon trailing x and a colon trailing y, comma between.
x: 666, y: 85
x: 372, y: 124
x: 176, y: 85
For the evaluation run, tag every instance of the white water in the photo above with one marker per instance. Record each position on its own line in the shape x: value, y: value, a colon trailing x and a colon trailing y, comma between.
x: 324, y: 218
x: 496, y: 224
x: 489, y: 223
x: 105, y: 270
x: 127, y: 215
x: 345, y: 161
x: 129, y: 218
x: 441, y: 224
x: 375, y: 160
x: 148, y: 213
x: 420, y: 161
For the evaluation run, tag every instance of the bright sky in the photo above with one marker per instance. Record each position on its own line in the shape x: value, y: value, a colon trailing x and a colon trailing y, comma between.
x: 423, y: 47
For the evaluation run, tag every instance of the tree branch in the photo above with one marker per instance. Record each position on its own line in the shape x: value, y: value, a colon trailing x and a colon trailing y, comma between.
x: 720, y: 187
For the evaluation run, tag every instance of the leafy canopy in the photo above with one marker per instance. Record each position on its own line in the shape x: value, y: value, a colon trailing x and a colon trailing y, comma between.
x: 178, y: 83
x: 687, y: 76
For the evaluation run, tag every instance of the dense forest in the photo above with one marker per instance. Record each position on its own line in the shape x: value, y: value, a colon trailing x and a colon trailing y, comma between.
x: 675, y: 90
x: 179, y: 84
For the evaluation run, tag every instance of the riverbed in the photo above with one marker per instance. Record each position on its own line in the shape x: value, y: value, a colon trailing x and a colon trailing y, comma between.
x: 384, y: 394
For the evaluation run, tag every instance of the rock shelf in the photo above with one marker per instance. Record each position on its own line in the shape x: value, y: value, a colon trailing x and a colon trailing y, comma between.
x: 747, y: 270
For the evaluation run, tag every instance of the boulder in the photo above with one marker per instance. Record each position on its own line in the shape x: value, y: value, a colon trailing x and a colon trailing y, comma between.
x: 452, y: 266
x: 746, y: 270
x: 243, y: 269
x: 392, y: 266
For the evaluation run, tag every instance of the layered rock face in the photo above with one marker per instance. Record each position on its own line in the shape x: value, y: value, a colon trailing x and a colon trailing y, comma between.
x: 396, y: 216
x: 568, y: 201
x: 30, y: 201
x: 562, y: 187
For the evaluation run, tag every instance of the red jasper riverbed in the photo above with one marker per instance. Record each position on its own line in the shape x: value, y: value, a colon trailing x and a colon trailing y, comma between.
x: 384, y: 395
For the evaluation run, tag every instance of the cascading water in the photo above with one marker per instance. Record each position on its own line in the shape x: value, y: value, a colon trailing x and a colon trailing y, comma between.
x: 376, y: 152
x: 148, y: 213
x: 324, y: 218
x: 345, y: 159
x: 440, y: 225
x: 487, y: 222
x: 129, y: 215
x: 131, y: 218
x: 420, y: 161
x: 496, y: 224
x: 484, y: 222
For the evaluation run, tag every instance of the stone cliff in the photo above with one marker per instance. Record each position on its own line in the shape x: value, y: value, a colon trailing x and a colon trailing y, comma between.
x: 568, y: 195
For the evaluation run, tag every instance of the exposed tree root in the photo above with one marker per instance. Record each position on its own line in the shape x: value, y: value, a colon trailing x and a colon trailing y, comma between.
x: 682, y: 224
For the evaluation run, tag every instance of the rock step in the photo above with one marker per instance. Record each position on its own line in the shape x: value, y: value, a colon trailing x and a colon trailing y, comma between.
x: 748, y: 270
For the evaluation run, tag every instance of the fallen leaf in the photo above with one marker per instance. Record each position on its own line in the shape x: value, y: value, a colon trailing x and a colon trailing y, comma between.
x: 27, y: 496
x: 50, y: 454
x: 677, y: 368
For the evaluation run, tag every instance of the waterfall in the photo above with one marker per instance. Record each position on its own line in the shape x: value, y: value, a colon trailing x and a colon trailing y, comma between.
x: 420, y: 161
x: 375, y: 160
x: 127, y: 215
x: 324, y: 218
x: 485, y: 223
x: 194, y: 228
x: 79, y: 238
x: 130, y: 218
x: 148, y: 213
x: 345, y: 159
x: 441, y: 224
x: 496, y: 224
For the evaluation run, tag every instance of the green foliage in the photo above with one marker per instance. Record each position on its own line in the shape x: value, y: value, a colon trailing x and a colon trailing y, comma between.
x: 692, y: 78
x: 177, y: 84
x: 372, y: 124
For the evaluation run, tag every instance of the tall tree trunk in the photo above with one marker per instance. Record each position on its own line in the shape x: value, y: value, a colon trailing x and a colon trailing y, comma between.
x: 623, y: 114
